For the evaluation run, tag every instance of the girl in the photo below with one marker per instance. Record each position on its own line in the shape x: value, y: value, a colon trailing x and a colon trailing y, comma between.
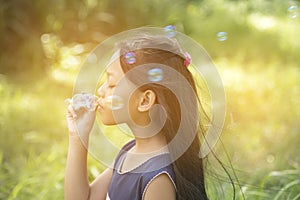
x: 160, y: 105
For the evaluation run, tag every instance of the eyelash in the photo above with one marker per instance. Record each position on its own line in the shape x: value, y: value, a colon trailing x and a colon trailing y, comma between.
x: 110, y: 85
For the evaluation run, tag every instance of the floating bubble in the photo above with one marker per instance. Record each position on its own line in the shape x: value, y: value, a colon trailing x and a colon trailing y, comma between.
x: 270, y: 158
x: 293, y: 11
x: 170, y: 31
x: 222, y: 36
x: 130, y: 57
x: 114, y: 102
x: 83, y: 100
x: 45, y: 38
x: 155, y: 74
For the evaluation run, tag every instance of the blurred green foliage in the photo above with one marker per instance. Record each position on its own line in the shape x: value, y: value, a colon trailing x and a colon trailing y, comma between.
x: 43, y: 44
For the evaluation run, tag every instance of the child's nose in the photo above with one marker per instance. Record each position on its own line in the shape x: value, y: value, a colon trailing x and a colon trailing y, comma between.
x: 101, y: 91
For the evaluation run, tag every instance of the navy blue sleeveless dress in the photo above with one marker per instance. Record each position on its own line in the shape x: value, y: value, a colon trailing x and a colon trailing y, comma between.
x: 133, y: 184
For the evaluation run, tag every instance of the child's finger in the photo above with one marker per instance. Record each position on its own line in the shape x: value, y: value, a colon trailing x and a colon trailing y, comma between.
x: 68, y: 101
x: 71, y: 111
x: 95, y: 107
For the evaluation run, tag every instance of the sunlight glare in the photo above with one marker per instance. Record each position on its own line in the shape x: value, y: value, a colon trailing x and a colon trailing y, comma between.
x: 261, y: 22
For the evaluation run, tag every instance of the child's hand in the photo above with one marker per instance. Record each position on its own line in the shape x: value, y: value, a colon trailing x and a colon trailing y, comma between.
x: 81, y: 116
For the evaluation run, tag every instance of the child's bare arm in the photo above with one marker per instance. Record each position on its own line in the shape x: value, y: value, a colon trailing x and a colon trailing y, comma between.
x: 160, y: 188
x: 100, y: 185
x: 76, y: 179
x: 80, y: 122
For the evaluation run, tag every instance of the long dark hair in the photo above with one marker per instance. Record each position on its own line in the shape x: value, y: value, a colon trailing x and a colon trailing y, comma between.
x: 188, y: 167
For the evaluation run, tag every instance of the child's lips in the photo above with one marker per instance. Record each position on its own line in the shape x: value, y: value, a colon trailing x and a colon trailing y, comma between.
x: 100, y: 105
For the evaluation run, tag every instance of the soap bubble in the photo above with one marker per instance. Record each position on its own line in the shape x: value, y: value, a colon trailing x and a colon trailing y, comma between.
x: 222, y: 36
x: 293, y: 11
x: 170, y: 31
x: 83, y: 100
x: 130, y: 57
x: 155, y: 74
x: 114, y: 102
x: 45, y: 38
x: 270, y: 158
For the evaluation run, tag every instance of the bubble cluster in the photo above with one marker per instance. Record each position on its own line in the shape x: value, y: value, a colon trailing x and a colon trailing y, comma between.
x: 130, y: 57
x: 114, y: 102
x: 293, y: 11
x: 170, y: 31
x: 222, y: 36
x: 84, y: 100
x: 155, y: 74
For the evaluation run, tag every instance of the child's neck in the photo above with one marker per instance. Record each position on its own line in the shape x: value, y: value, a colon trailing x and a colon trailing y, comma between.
x: 151, y: 144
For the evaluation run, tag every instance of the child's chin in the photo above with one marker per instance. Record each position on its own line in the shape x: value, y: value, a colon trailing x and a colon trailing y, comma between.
x: 108, y: 122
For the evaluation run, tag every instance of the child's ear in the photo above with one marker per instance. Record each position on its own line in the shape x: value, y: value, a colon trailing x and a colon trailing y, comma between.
x: 147, y: 99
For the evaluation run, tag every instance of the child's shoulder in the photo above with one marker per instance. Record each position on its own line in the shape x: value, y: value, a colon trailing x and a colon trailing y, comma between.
x: 125, y: 149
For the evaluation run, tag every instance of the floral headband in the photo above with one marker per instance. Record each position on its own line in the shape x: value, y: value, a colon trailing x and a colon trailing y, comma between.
x: 188, y: 59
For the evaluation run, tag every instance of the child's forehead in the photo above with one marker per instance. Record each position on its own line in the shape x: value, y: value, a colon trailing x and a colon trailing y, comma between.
x: 113, y: 62
x: 114, y: 69
x: 114, y: 57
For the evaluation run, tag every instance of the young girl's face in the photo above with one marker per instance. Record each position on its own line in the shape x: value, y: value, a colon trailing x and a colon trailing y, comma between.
x: 117, y: 103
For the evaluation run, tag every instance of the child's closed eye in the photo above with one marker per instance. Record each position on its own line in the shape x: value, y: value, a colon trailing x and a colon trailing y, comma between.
x: 111, y: 85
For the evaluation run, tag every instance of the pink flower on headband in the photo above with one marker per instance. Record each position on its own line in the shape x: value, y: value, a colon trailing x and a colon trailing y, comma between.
x: 188, y: 59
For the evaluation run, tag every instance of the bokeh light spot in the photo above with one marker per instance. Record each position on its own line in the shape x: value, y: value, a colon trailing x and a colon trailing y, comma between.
x: 78, y: 49
x: 92, y: 58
